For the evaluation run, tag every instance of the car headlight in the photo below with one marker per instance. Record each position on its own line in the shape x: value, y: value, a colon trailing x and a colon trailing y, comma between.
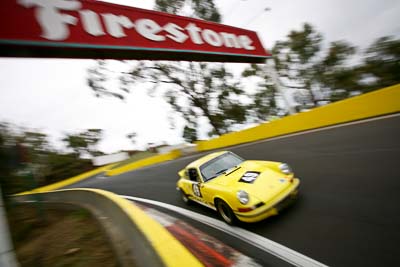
x: 243, y: 196
x: 285, y: 168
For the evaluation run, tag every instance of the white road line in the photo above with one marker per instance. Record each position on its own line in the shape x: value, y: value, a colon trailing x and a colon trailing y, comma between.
x: 253, y: 239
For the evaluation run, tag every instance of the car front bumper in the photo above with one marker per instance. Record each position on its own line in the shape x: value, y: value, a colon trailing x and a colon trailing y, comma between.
x: 277, y: 204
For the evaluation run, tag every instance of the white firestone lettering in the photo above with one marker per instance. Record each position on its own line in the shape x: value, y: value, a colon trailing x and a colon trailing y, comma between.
x: 211, y: 37
x: 194, y: 33
x: 149, y: 29
x: 246, y: 42
x: 52, y: 22
x: 115, y: 24
x: 230, y: 40
x: 55, y: 26
x: 175, y: 32
x: 91, y: 22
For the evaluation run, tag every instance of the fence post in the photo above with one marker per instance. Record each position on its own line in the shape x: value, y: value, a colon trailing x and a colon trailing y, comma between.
x: 7, y: 256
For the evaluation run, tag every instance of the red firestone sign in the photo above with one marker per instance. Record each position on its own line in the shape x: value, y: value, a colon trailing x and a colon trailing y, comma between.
x: 94, y: 29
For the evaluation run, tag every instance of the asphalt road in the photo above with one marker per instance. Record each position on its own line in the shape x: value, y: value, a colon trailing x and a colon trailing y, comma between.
x: 348, y: 213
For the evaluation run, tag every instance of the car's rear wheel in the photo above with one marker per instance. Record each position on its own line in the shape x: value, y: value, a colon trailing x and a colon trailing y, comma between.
x: 184, y: 197
x: 225, y: 212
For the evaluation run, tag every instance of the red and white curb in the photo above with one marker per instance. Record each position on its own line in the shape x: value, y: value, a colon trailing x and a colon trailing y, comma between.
x: 208, y: 250
x: 293, y: 257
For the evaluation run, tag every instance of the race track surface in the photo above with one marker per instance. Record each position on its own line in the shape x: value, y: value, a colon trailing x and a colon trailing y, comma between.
x: 348, y: 213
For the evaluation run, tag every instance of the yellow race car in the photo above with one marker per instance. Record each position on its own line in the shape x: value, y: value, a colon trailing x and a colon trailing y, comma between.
x: 246, y: 190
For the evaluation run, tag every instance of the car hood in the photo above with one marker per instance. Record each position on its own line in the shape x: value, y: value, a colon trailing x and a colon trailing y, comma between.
x: 269, y: 182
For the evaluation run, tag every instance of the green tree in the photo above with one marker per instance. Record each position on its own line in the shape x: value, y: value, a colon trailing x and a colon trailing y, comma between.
x: 381, y: 63
x: 203, y: 9
x: 334, y: 79
x: 33, y: 147
x: 189, y: 134
x: 195, y: 90
x: 27, y: 160
x: 312, y: 72
x: 192, y: 89
x: 35, y: 140
x: 315, y: 74
x: 293, y: 59
x: 61, y: 166
x: 264, y: 101
x: 84, y: 142
x: 8, y: 160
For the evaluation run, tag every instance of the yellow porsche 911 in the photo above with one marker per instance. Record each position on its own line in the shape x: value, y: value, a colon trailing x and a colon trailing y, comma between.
x: 246, y: 190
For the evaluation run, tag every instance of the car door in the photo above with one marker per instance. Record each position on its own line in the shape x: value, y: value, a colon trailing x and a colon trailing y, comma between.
x: 207, y: 193
x: 195, y: 184
x: 202, y: 191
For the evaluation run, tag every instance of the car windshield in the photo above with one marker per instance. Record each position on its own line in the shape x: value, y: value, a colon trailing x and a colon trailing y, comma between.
x: 219, y: 165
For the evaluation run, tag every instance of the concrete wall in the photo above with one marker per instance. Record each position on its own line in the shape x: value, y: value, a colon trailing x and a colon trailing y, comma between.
x: 108, y: 159
x: 185, y: 148
x: 380, y: 102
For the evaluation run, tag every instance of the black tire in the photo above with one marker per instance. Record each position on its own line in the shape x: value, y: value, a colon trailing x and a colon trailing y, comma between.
x: 184, y: 197
x: 225, y: 212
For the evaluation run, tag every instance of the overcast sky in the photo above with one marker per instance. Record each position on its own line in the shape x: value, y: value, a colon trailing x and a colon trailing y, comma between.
x: 51, y: 95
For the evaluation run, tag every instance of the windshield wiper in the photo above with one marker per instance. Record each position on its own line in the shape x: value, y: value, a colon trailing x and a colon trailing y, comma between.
x: 221, y: 171
x: 212, y: 177
x: 235, y: 168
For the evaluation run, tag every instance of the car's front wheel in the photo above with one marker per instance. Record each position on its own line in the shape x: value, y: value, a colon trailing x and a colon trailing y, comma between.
x: 225, y: 212
x: 184, y: 197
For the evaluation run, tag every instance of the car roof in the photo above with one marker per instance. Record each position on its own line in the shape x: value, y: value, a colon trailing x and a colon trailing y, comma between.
x: 197, y: 163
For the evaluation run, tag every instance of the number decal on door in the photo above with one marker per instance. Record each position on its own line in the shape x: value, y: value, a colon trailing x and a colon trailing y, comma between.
x: 196, y: 190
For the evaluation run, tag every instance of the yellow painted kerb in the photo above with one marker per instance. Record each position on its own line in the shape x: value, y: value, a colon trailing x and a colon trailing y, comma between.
x: 108, y: 171
x: 170, y: 250
x: 68, y: 181
x: 145, y: 162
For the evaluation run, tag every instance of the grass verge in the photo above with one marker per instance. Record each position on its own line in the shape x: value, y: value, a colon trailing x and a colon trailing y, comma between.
x: 59, y: 238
